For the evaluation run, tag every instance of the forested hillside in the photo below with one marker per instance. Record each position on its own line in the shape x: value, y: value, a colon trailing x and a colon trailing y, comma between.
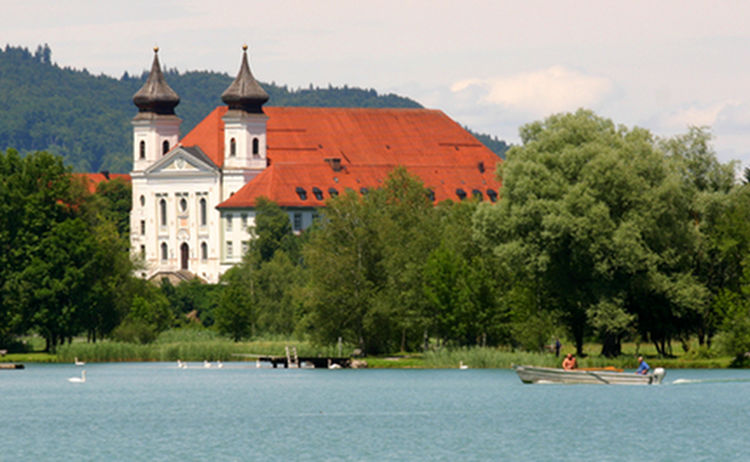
x: 86, y: 118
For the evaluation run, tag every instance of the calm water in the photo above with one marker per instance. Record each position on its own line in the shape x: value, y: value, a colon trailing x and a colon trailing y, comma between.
x: 157, y: 412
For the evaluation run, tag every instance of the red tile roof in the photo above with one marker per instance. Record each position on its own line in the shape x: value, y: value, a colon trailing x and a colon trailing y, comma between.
x: 369, y: 143
x: 92, y: 180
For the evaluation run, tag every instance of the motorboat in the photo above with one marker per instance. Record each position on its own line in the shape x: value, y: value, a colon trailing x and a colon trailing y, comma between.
x: 603, y: 376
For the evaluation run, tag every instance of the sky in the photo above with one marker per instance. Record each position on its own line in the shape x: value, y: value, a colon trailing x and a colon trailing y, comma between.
x: 491, y: 65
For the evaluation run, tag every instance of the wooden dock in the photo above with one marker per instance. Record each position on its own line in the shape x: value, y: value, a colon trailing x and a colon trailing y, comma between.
x: 309, y: 361
x: 11, y: 366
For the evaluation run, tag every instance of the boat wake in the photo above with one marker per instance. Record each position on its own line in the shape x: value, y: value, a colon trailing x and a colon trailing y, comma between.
x: 689, y: 381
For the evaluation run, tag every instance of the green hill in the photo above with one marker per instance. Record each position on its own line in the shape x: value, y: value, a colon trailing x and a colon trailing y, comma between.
x: 86, y: 118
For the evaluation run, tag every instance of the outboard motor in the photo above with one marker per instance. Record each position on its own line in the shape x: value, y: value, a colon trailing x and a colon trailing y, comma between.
x: 659, y: 374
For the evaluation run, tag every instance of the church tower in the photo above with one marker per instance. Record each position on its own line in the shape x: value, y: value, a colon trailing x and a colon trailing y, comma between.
x: 244, y: 130
x: 156, y: 128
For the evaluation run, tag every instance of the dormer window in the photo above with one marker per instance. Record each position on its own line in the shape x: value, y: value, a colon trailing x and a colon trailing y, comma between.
x: 333, y: 192
x: 142, y: 149
x: 477, y: 194
x: 492, y: 194
x: 317, y: 193
x: 232, y: 147
x: 363, y: 191
x: 301, y: 193
x: 256, y: 147
x: 461, y: 193
x: 431, y: 195
x: 165, y: 147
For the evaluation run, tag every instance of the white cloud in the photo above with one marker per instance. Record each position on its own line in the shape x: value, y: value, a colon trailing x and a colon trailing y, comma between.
x: 539, y: 93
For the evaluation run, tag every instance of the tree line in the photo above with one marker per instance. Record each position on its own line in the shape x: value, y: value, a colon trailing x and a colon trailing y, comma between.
x: 85, y: 118
x: 603, y: 233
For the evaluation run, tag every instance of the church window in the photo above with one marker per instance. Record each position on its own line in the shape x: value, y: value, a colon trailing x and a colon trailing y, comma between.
x: 229, y: 249
x: 204, y: 251
x: 232, y: 147
x: 203, y: 211
x: 163, y: 212
x: 297, y: 222
x: 165, y: 147
x: 164, y: 251
x: 256, y: 147
x: 143, y: 227
x: 142, y: 149
x: 318, y: 193
x: 230, y: 218
x: 143, y: 200
x: 183, y: 204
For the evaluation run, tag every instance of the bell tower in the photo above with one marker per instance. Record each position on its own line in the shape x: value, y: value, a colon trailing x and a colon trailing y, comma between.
x: 156, y: 128
x: 244, y: 130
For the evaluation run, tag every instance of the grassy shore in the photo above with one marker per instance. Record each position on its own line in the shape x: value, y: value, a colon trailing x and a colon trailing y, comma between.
x: 199, y: 345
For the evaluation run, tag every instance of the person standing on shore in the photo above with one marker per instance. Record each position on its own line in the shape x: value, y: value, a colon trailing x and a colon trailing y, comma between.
x: 557, y: 347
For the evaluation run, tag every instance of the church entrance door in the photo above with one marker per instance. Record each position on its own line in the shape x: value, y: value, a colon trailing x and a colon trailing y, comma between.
x: 184, y: 252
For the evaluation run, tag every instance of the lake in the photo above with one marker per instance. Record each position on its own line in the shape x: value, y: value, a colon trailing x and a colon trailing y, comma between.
x: 159, y: 412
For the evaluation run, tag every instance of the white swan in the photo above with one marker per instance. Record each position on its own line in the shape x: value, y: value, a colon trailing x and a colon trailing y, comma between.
x: 81, y: 379
x: 332, y: 365
x: 461, y: 365
x: 219, y: 364
x: 257, y: 363
x: 181, y: 365
x: 79, y: 363
x: 206, y: 364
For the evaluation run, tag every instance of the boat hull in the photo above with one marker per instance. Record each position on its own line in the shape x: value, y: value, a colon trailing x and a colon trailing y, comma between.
x: 532, y: 374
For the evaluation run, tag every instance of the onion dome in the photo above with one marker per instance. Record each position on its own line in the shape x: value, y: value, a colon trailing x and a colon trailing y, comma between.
x: 155, y: 95
x: 245, y: 93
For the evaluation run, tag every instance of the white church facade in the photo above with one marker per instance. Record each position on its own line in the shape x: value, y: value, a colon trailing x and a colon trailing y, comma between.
x: 194, y: 197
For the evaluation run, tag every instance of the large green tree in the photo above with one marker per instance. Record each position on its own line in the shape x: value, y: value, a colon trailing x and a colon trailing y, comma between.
x: 597, y: 219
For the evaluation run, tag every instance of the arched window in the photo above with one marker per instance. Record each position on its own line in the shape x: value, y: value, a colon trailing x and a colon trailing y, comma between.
x: 164, y: 252
x: 183, y: 204
x: 142, y: 200
x: 163, y: 212
x: 256, y: 146
x: 142, y: 149
x: 232, y: 147
x: 203, y: 211
x: 204, y: 251
x: 165, y: 147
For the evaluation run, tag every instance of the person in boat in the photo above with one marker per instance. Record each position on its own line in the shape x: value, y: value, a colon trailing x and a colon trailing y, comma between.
x: 643, y: 367
x: 569, y: 363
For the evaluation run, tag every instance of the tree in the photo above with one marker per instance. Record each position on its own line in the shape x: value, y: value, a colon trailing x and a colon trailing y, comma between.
x: 595, y: 216
x: 234, y: 314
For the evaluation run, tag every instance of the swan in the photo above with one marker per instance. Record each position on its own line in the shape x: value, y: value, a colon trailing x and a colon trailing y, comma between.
x: 257, y: 363
x: 206, y: 364
x: 79, y: 363
x: 219, y: 364
x: 461, y: 365
x: 81, y: 379
x: 332, y: 365
x: 181, y: 365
